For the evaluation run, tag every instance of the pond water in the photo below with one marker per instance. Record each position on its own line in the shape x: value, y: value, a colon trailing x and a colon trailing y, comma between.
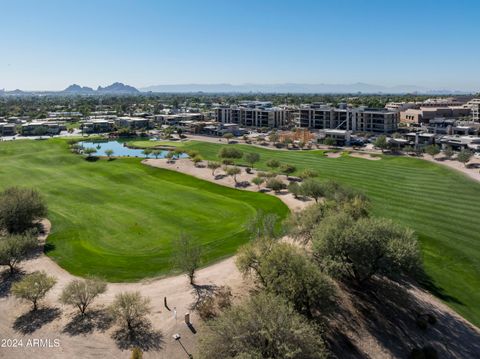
x: 119, y: 149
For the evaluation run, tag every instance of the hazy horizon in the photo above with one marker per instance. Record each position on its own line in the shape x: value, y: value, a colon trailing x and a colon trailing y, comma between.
x: 53, y: 44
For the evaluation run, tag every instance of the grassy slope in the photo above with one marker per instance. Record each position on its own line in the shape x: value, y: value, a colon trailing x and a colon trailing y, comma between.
x: 117, y: 218
x: 442, y: 205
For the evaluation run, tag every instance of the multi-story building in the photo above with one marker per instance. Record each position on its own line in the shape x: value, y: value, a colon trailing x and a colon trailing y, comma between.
x: 7, y: 129
x: 361, y: 119
x: 133, y: 123
x: 426, y: 114
x: 253, y: 114
x: 97, y: 125
x: 41, y: 128
x: 474, y: 106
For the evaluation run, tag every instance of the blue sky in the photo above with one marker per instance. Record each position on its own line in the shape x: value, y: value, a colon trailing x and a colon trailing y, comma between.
x: 49, y: 44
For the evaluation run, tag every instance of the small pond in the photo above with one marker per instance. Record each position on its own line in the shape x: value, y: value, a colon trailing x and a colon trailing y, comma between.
x: 119, y: 149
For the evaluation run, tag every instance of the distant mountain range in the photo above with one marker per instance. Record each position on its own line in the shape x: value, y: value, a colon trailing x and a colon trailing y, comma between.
x: 298, y: 88
x: 119, y: 88
x: 116, y: 88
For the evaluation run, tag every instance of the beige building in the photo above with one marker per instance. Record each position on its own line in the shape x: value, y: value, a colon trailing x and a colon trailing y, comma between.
x: 253, y: 114
x: 425, y: 114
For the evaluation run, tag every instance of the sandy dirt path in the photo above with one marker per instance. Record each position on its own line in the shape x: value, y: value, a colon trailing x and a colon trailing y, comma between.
x: 179, y: 293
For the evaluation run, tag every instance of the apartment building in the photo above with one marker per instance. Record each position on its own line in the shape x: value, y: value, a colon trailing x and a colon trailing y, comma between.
x: 41, y: 128
x: 133, y: 123
x: 98, y: 125
x: 474, y: 106
x: 7, y: 129
x: 361, y: 119
x: 253, y: 114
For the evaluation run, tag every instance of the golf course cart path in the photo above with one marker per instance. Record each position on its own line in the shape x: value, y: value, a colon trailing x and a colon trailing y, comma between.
x: 186, y: 166
x: 180, y: 297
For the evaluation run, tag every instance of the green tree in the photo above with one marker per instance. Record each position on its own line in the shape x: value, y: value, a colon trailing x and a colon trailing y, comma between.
x: 81, y: 293
x: 263, y: 225
x: 464, y: 156
x: 233, y: 172
x: 156, y: 153
x: 258, y: 181
x: 228, y: 136
x: 264, y: 326
x: 146, y: 152
x: 230, y: 153
x: 89, y: 151
x: 274, y: 137
x: 169, y: 156
x: 252, y: 158
x: 213, y: 166
x: 287, y: 272
x: 19, y: 208
x: 287, y: 169
x: 295, y: 189
x: 130, y: 309
x: 33, y: 287
x: 312, y: 188
x: 360, y: 249
x: 196, y: 160
x: 186, y: 256
x: 329, y: 141
x: 275, y: 184
x: 381, y: 142
x: 15, y: 248
x: 448, y: 152
x: 273, y: 163
x: 109, y: 153
x: 307, y: 173
x: 432, y: 150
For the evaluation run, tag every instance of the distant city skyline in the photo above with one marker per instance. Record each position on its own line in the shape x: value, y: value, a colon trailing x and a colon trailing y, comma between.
x: 51, y: 44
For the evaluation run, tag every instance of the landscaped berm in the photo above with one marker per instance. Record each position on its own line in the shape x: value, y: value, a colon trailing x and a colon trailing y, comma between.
x: 116, y: 219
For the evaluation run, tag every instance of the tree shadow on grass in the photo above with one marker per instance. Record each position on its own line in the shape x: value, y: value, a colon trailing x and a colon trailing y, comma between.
x: 33, y: 320
x: 142, y: 336
x: 98, y: 319
x: 427, y: 282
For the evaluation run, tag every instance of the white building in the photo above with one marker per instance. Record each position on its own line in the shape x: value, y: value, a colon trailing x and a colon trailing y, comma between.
x: 360, y: 119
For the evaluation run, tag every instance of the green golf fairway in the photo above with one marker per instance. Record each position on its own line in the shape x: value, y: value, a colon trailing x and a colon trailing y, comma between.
x: 116, y: 219
x: 440, y: 204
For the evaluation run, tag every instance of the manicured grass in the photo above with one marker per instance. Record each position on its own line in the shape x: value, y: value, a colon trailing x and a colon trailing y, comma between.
x: 116, y: 219
x: 441, y: 205
x: 153, y: 144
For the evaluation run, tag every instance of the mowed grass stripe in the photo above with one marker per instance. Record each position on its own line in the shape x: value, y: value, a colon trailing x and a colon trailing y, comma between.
x: 440, y: 204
